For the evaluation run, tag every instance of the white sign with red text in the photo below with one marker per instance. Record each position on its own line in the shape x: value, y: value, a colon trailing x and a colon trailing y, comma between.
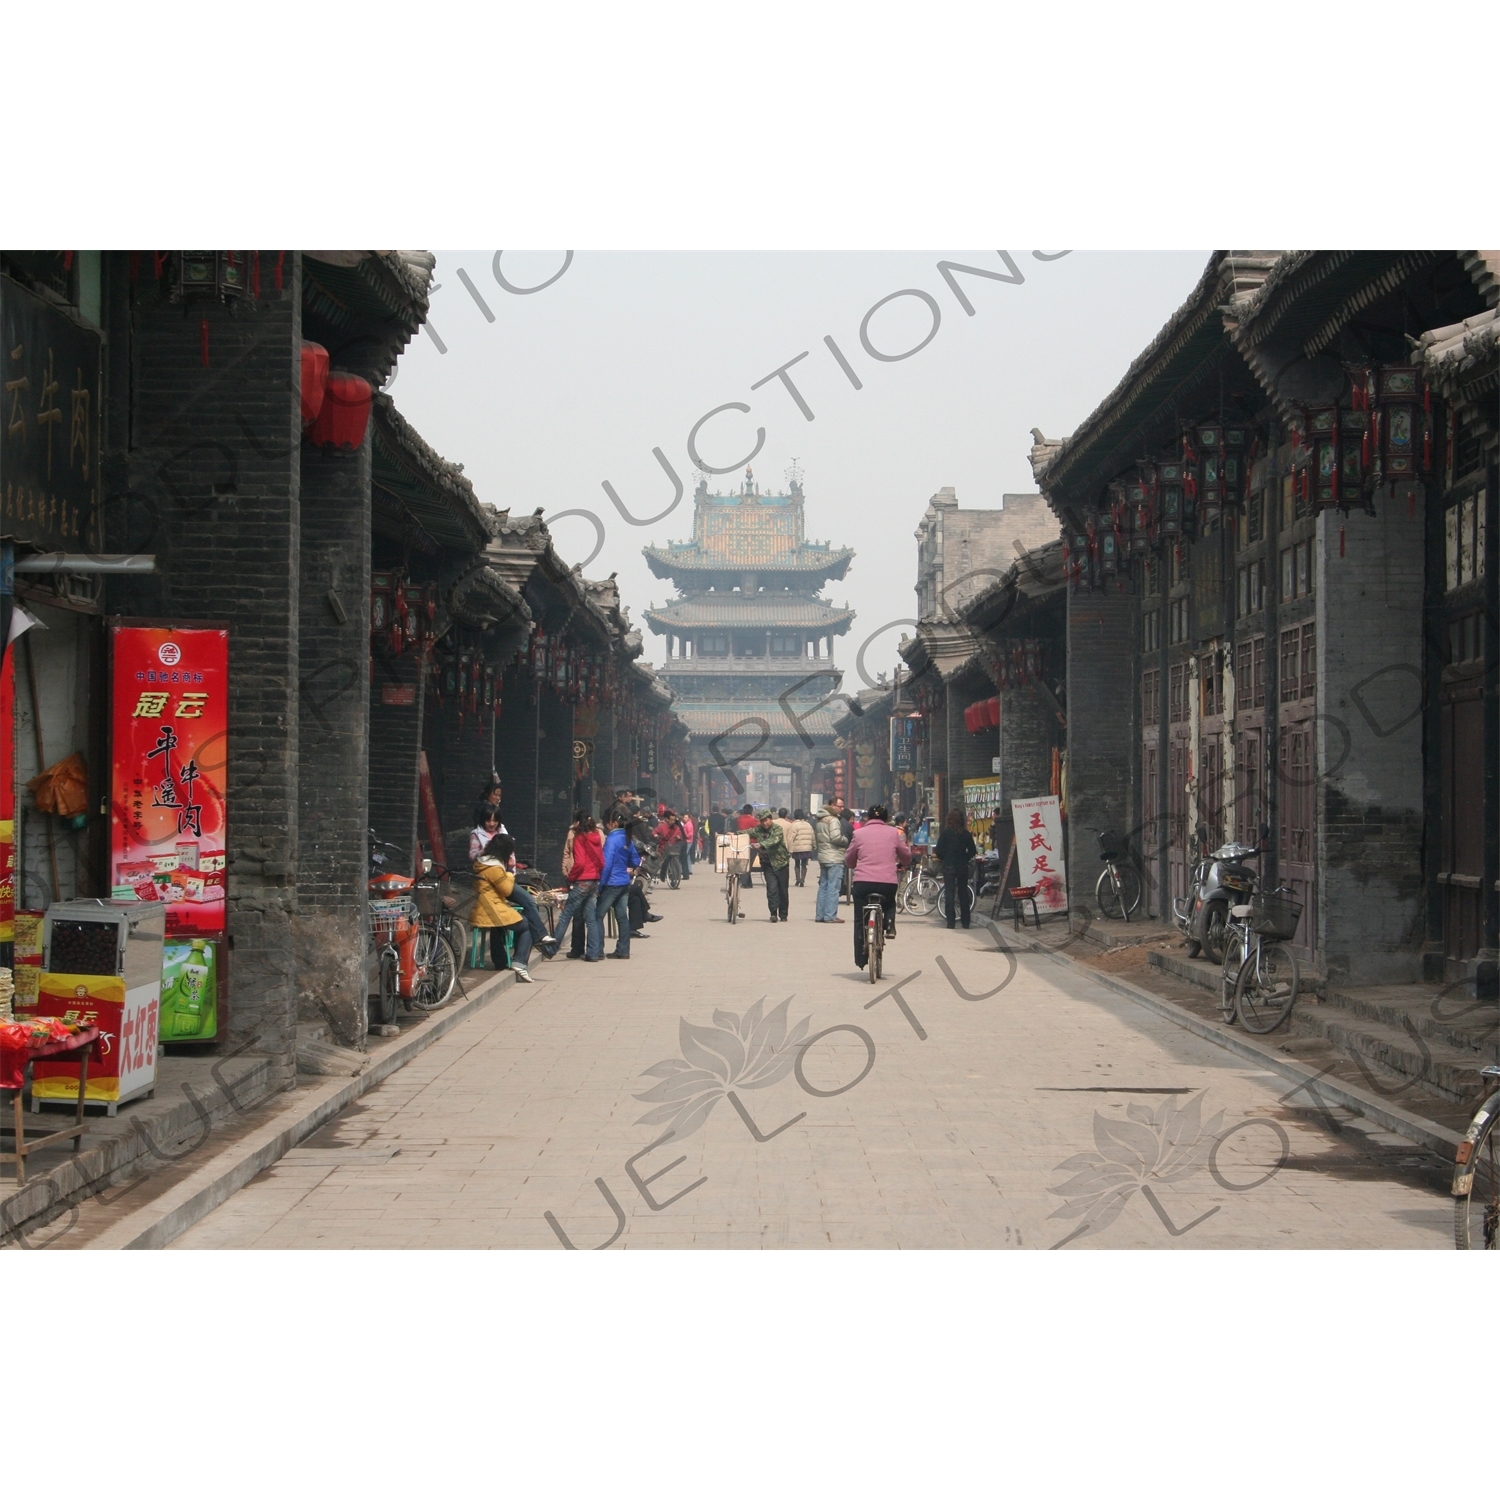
x: 1039, y: 850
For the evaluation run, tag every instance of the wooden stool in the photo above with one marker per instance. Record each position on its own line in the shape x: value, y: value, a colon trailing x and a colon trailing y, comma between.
x: 1018, y: 895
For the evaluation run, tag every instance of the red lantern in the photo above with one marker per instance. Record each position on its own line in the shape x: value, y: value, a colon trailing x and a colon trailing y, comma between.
x: 345, y: 412
x: 314, y: 381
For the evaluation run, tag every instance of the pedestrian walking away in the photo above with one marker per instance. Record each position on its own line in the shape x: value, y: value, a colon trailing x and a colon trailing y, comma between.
x: 775, y: 861
x: 803, y: 842
x: 620, y: 857
x: 829, y: 842
x: 494, y: 887
x: 877, y: 854
x: 956, y: 851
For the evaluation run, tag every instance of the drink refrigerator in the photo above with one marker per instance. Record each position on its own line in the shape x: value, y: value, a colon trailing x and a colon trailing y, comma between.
x: 101, y: 966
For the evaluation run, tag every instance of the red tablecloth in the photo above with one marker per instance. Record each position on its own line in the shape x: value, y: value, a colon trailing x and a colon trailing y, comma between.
x: 23, y: 1041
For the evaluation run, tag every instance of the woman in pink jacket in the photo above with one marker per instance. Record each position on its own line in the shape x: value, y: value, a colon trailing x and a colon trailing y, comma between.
x: 876, y: 856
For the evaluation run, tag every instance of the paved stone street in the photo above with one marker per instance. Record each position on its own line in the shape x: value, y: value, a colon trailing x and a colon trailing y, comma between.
x: 948, y: 1114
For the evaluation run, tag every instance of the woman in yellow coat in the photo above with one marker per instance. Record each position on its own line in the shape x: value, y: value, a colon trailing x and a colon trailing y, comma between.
x: 493, y: 884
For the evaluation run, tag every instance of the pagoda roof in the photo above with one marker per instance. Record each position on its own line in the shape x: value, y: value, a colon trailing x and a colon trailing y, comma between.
x: 770, y: 611
x: 753, y: 554
x: 719, y: 718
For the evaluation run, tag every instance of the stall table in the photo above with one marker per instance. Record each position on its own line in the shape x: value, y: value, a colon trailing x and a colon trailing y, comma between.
x: 21, y: 1044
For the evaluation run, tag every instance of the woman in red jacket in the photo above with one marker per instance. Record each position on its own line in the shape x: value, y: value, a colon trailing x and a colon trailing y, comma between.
x: 583, y: 894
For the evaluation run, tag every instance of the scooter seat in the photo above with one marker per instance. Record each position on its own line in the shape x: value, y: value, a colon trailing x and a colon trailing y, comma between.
x: 1239, y: 912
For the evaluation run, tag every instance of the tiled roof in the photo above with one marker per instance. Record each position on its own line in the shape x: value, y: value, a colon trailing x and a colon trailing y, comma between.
x: 824, y: 562
x: 768, y: 611
x: 718, y: 718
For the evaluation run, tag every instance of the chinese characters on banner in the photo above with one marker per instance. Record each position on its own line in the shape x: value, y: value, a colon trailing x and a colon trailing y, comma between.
x: 169, y: 772
x: 1039, y: 850
x: 49, y: 424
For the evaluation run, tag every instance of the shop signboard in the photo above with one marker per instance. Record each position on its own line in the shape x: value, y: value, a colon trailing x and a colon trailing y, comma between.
x: 1039, y: 846
x: 169, y: 771
x: 49, y: 435
x: 981, y: 802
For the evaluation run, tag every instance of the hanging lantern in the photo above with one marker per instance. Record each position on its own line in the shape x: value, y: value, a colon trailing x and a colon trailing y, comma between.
x: 1401, y: 420
x: 218, y: 275
x: 314, y: 381
x: 344, y: 414
x: 1141, y: 517
x: 380, y: 604
x: 1323, y: 485
x: 1033, y: 660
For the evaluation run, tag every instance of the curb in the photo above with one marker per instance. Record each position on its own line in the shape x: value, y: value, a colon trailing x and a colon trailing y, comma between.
x: 1321, y: 1087
x: 158, y: 1223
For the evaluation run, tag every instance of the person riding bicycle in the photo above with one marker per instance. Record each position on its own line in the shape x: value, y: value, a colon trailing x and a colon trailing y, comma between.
x: 877, y: 854
x: 955, y: 852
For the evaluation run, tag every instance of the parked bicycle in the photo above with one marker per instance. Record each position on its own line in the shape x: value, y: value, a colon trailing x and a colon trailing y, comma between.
x: 1260, y: 976
x: 1476, y: 1175
x: 919, y: 888
x: 1118, y: 891
x: 442, y: 940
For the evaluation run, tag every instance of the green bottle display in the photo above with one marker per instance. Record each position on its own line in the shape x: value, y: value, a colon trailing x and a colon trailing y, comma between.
x: 189, y: 991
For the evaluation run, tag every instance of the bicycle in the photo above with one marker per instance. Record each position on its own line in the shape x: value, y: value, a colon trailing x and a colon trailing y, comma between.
x: 919, y: 891
x: 874, y: 936
x: 1118, y: 892
x: 1476, y: 1213
x: 1266, y: 971
x: 736, y: 866
x: 438, y: 954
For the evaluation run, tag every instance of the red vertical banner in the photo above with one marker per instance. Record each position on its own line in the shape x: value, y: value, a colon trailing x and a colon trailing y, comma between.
x: 430, y: 812
x: 169, y: 771
x: 7, y: 798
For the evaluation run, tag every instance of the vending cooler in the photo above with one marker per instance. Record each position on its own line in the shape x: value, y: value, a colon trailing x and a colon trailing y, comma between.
x: 101, y: 965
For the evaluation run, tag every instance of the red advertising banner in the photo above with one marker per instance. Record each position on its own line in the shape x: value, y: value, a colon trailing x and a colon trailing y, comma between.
x: 7, y: 797
x: 169, y: 752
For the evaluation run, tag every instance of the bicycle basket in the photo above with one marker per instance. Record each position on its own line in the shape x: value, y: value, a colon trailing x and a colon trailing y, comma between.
x: 429, y: 899
x: 1275, y: 915
x: 386, y: 917
x: 1110, y: 845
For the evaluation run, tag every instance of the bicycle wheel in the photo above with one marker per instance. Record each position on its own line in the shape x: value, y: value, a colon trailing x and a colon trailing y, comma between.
x: 874, y: 940
x: 1234, y: 956
x: 1476, y: 1182
x: 386, y: 989
x: 1266, y: 989
x: 458, y: 940
x: 1109, y: 894
x: 674, y: 874
x: 922, y: 894
x: 732, y: 899
x: 1130, y: 888
x: 436, y: 971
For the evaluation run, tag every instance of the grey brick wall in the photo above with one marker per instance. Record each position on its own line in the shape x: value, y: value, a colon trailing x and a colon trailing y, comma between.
x: 395, y: 741
x: 1370, y: 895
x: 213, y: 469
x: 333, y: 770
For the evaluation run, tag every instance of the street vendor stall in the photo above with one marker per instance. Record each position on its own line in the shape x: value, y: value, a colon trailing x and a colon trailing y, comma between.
x: 66, y: 1044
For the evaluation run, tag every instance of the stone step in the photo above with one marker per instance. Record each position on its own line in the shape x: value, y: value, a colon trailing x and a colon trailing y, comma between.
x: 1398, y: 1054
x: 312, y: 1031
x: 1450, y: 1017
x: 1393, y: 1036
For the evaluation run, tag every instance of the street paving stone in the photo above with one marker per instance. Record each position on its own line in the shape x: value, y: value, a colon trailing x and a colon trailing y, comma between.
x: 499, y: 1135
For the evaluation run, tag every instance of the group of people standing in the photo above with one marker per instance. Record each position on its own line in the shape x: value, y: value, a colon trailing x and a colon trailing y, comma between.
x: 601, y: 856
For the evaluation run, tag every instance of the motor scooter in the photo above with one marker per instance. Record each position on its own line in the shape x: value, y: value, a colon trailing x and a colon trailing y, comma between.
x: 1219, y: 880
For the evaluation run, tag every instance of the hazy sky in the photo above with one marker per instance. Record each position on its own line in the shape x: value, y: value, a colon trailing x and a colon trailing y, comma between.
x: 576, y: 384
